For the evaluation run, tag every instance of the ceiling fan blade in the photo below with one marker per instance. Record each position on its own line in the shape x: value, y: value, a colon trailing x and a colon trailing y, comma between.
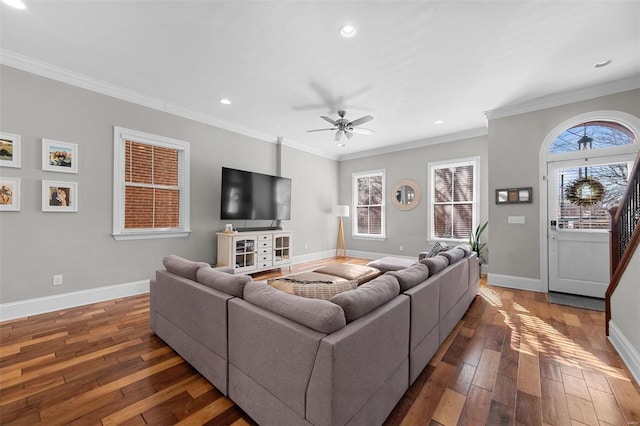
x: 349, y: 134
x: 362, y: 131
x: 320, y: 130
x: 330, y: 120
x: 339, y: 134
x: 361, y: 120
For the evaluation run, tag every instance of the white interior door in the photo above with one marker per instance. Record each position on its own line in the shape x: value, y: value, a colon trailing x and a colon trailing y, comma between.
x: 578, y: 244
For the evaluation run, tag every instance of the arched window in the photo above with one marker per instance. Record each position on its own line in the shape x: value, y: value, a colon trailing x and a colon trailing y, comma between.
x: 588, y: 189
x: 592, y: 135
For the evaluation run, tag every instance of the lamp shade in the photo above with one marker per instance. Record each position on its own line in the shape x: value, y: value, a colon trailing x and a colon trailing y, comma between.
x: 341, y: 210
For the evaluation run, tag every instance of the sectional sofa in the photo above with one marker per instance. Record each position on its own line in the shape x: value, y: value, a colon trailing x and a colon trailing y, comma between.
x: 291, y: 360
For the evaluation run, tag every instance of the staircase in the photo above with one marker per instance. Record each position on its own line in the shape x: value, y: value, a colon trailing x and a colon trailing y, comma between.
x: 624, y: 236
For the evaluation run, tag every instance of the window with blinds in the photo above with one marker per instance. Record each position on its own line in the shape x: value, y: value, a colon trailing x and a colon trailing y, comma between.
x: 151, y: 185
x: 369, y: 202
x: 453, y: 199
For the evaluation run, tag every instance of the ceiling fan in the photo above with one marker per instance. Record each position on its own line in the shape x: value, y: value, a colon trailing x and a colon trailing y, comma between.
x: 342, y: 126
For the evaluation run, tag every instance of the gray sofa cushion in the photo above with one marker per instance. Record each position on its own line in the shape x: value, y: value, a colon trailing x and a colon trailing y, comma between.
x: 435, y: 264
x: 466, y: 248
x: 454, y: 255
x: 183, y: 267
x: 222, y: 281
x: 319, y: 315
x: 411, y: 276
x: 367, y: 297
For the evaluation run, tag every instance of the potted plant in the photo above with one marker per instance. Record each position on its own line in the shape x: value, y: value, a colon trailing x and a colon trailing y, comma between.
x: 476, y: 245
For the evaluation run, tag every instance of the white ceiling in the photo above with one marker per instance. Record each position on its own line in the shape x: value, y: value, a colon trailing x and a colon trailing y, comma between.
x: 283, y: 63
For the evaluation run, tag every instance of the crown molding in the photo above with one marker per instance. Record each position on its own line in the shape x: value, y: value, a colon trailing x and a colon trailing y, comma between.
x: 564, y: 98
x: 63, y: 75
x: 451, y: 137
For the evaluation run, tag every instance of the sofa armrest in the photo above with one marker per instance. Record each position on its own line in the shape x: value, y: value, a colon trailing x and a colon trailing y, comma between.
x: 353, y: 363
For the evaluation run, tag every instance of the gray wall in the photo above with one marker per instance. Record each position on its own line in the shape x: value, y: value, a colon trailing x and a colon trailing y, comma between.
x: 35, y: 245
x: 514, y: 153
x: 409, y: 228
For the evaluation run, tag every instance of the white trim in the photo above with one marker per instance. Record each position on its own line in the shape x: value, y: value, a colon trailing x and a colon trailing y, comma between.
x: 466, y: 161
x: 367, y: 254
x: 120, y: 135
x: 451, y: 137
x: 564, y: 98
x: 41, y: 305
x: 625, y: 349
x: 519, y: 283
x: 354, y: 200
x: 310, y: 257
x: 630, y: 121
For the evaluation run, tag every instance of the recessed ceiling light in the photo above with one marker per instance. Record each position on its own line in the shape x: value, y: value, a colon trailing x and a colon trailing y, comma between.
x: 348, y: 31
x: 602, y: 64
x: 341, y: 145
x: 437, y: 122
x: 18, y: 4
x: 225, y: 101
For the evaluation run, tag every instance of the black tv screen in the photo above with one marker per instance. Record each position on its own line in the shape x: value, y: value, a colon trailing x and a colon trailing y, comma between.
x: 254, y: 196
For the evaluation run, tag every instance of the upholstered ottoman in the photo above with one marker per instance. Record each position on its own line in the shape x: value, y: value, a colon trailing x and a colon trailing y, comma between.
x: 350, y: 272
x: 391, y: 263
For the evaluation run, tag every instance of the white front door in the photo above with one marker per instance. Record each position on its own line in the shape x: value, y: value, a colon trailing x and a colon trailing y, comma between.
x: 578, y: 243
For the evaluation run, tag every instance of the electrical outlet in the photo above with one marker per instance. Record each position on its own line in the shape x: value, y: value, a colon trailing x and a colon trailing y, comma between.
x: 401, y: 248
x: 57, y: 280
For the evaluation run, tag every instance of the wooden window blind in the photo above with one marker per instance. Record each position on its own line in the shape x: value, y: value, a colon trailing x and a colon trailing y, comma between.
x: 369, y: 204
x: 453, y: 201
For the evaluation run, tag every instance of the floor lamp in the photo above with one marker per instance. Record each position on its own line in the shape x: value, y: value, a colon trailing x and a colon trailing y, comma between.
x: 341, y: 211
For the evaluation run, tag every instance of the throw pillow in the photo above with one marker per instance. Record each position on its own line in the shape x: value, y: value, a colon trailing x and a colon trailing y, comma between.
x: 367, y: 297
x: 466, y: 248
x: 437, y: 248
x: 435, y: 264
x: 323, y: 291
x: 183, y: 267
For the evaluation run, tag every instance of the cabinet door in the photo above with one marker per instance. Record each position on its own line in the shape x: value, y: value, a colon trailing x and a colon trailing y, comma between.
x: 281, y: 249
x: 244, y: 253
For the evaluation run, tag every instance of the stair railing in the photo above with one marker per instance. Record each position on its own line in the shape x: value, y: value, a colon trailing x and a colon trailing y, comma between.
x: 624, y: 235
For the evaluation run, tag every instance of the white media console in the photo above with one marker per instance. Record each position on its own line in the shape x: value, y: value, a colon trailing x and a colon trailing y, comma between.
x: 255, y: 251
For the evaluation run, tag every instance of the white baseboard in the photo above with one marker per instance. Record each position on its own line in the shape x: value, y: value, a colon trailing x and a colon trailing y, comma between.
x: 625, y: 349
x: 373, y: 256
x: 40, y: 305
x: 310, y: 257
x: 519, y: 283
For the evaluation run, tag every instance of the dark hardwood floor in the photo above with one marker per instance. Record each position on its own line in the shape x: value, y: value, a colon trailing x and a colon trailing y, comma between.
x: 513, y: 359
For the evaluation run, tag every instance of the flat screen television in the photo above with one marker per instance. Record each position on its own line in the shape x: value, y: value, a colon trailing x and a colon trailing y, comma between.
x: 254, y: 196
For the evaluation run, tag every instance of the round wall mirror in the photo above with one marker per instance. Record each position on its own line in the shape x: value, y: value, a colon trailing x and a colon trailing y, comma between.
x: 405, y: 194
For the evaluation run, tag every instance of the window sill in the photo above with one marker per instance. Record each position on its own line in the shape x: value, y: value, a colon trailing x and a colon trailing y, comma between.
x: 146, y: 235
x: 369, y: 237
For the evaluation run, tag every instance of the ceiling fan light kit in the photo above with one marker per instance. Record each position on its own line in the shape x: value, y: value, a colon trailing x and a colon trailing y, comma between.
x: 343, y: 126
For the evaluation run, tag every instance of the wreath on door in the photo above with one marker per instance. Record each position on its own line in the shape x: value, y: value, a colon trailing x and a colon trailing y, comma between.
x: 585, y: 192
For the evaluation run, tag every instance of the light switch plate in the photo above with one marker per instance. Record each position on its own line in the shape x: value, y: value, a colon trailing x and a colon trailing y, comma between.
x: 516, y: 219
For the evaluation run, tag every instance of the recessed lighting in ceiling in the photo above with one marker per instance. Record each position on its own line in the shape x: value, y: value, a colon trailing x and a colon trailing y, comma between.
x: 438, y: 122
x: 341, y: 144
x: 18, y: 4
x: 348, y: 30
x: 225, y: 101
x: 602, y: 64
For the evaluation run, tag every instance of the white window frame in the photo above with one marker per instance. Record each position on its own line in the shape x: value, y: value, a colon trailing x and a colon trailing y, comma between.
x: 120, y: 136
x: 354, y: 185
x: 473, y: 161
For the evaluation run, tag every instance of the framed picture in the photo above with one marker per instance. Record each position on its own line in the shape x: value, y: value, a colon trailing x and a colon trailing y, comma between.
x: 59, y: 196
x: 514, y: 195
x: 9, y: 150
x: 59, y: 156
x: 9, y: 194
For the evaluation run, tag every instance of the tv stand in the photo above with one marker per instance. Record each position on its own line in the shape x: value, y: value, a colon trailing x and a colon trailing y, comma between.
x: 254, y: 251
x: 259, y: 228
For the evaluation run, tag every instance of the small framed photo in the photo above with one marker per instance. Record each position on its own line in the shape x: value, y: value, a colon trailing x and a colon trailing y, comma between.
x: 9, y: 150
x: 59, y: 196
x: 59, y: 156
x: 10, y: 194
x: 513, y: 195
